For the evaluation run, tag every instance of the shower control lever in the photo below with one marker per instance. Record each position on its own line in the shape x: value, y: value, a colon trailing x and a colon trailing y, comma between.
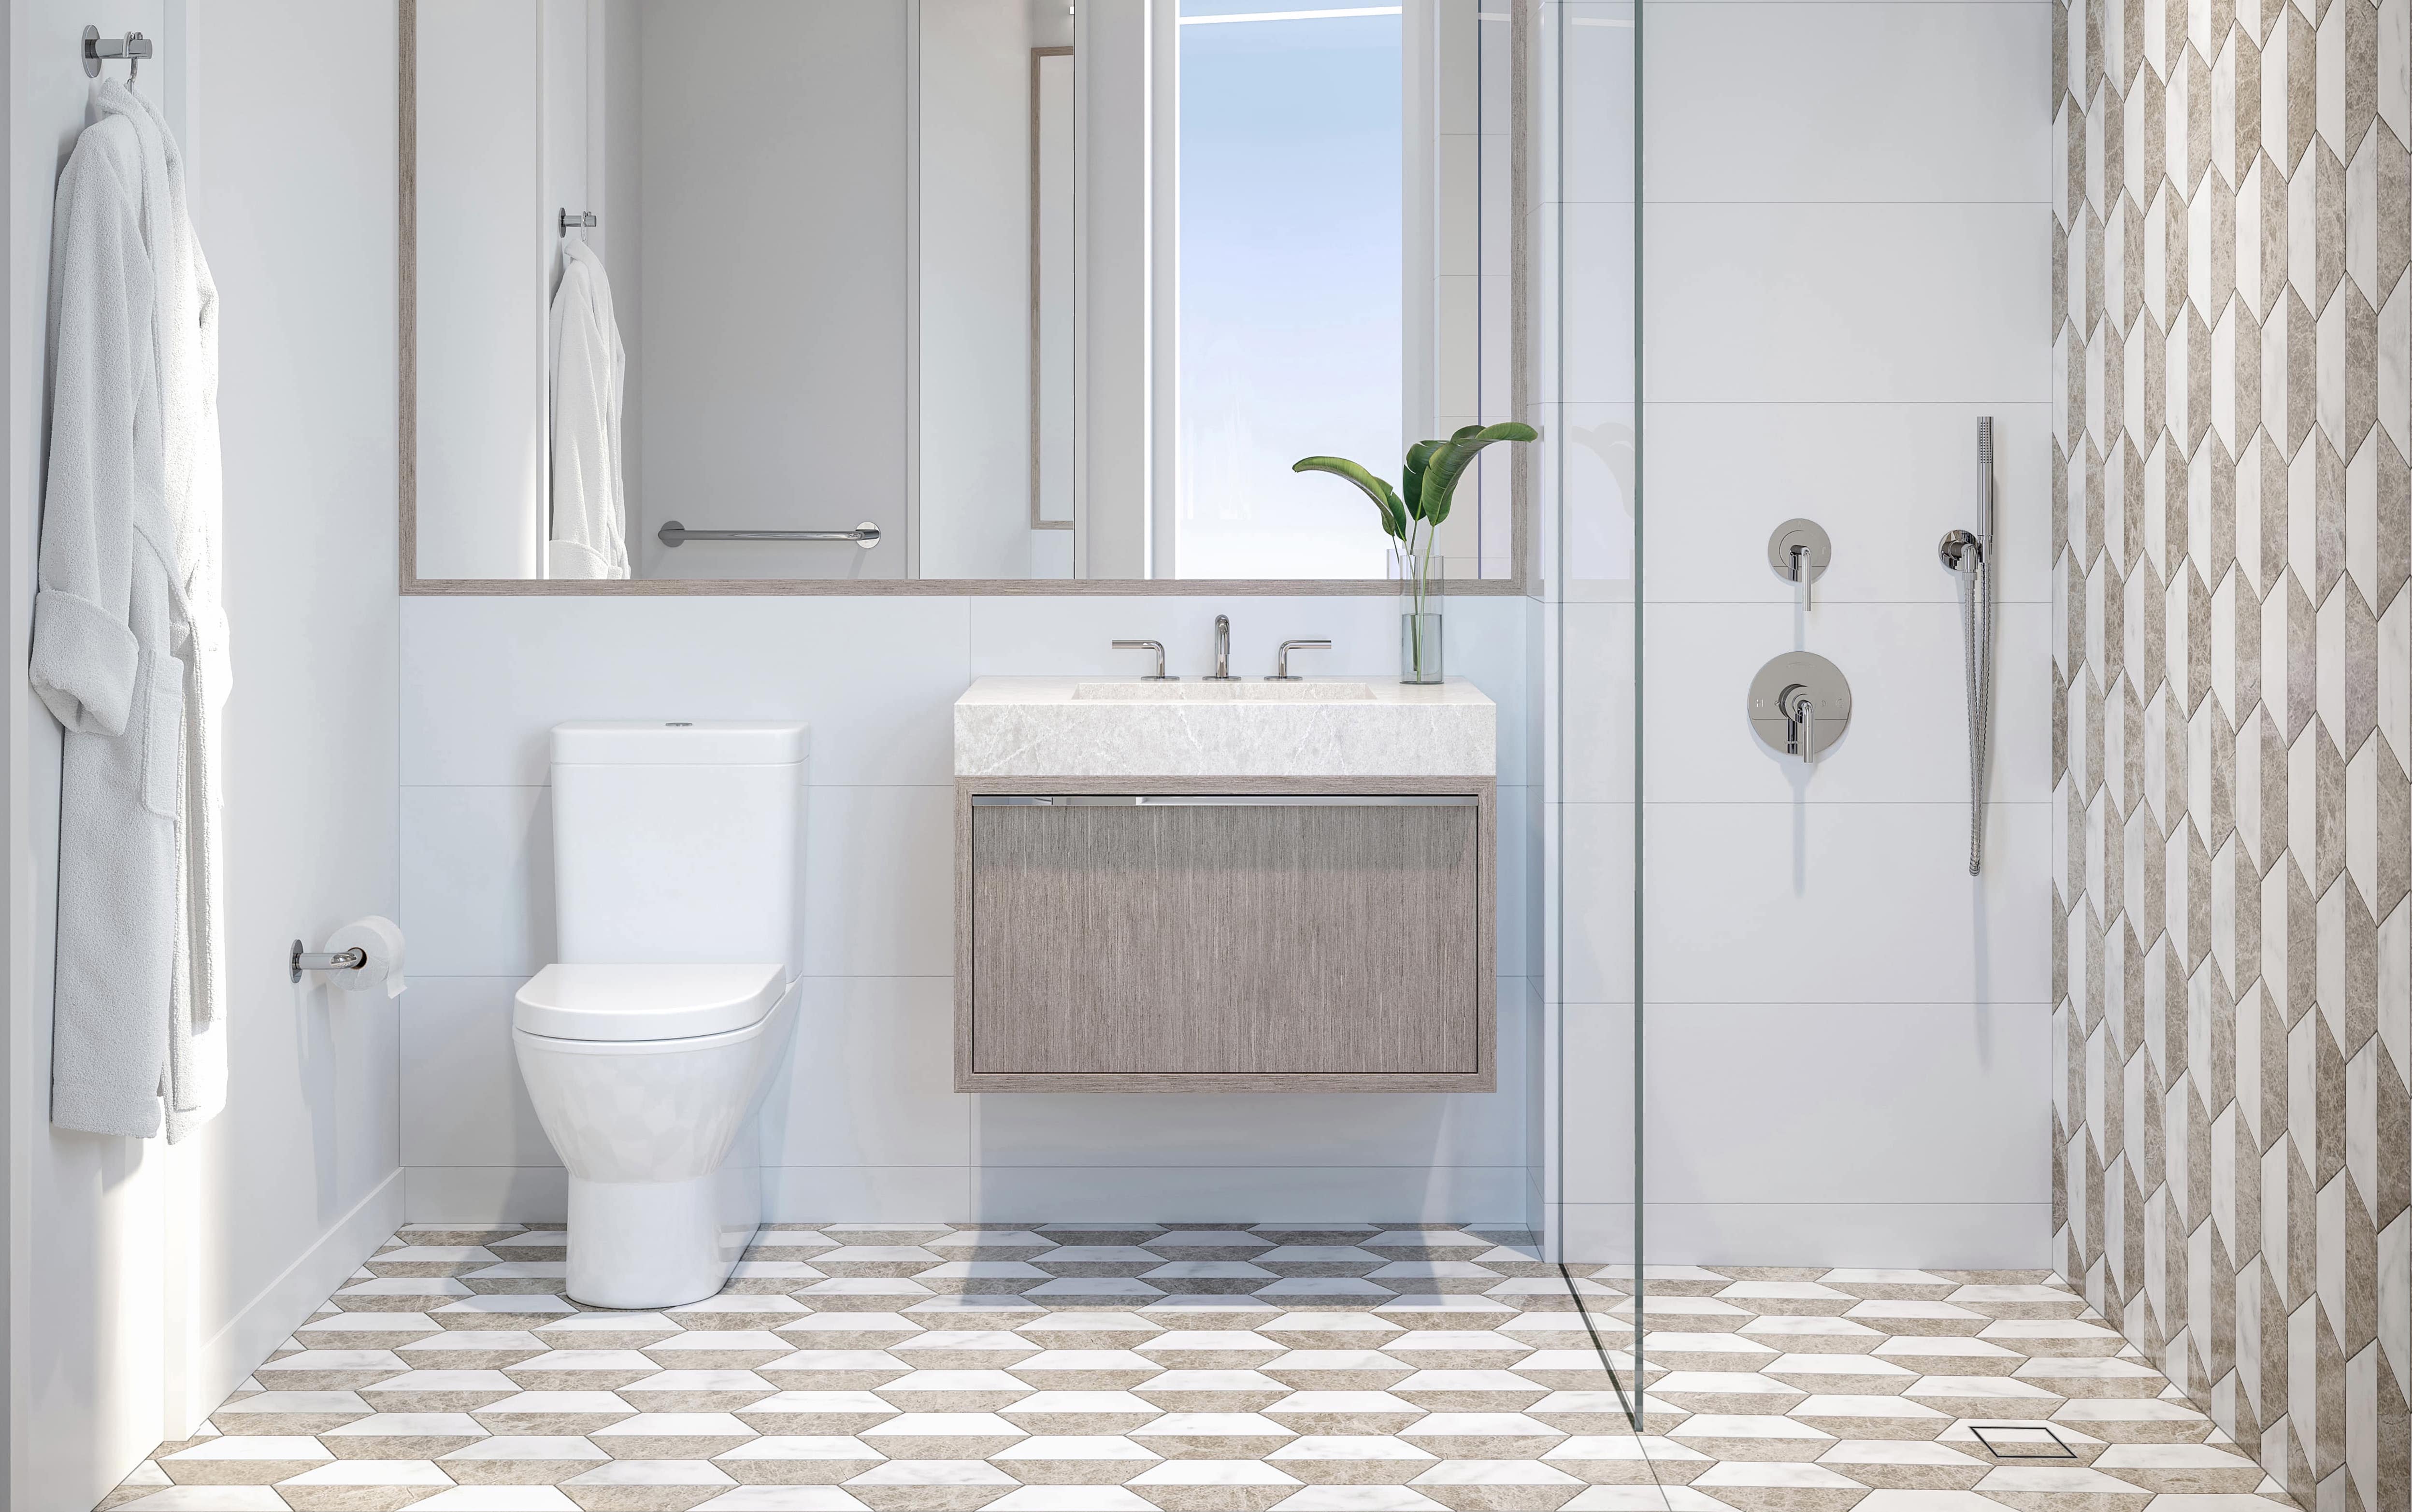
x: 1800, y: 719
x: 1799, y: 552
x: 1799, y: 705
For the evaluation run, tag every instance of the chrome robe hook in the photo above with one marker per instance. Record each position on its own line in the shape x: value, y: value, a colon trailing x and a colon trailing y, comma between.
x: 133, y: 47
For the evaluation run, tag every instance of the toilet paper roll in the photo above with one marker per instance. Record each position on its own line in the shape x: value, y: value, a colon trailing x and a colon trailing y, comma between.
x: 382, y: 940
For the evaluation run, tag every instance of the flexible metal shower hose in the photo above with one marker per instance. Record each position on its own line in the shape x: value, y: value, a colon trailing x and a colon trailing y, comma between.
x: 1977, y: 635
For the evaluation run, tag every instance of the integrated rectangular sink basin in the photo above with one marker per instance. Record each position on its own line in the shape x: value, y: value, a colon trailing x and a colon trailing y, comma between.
x: 1098, y: 726
x: 1302, y: 691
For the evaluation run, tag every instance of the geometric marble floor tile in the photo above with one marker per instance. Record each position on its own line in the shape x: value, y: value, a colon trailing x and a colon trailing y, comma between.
x: 930, y: 1367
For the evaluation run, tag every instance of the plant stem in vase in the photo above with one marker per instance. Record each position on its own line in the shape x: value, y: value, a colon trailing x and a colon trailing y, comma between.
x: 1412, y: 515
x: 1422, y: 574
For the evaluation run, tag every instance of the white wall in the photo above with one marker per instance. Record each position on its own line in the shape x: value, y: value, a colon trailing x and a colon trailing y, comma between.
x: 484, y: 284
x: 868, y: 1126
x: 145, y: 1283
x: 1844, y: 262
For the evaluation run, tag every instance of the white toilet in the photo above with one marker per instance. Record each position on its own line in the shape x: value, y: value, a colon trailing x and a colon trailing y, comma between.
x: 678, y: 876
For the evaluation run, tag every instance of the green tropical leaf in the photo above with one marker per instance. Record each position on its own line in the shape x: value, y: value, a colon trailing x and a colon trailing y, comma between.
x: 1385, y: 499
x: 1448, y: 463
x: 1411, y: 482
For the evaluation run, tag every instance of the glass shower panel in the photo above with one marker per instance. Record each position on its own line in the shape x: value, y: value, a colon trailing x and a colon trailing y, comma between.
x: 1585, y: 221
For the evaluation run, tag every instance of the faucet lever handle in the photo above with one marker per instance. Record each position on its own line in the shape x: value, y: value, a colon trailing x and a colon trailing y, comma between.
x: 1800, y: 714
x: 1156, y: 646
x: 1281, y: 665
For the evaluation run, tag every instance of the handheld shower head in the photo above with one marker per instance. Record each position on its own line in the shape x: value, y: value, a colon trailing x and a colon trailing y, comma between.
x: 1971, y: 556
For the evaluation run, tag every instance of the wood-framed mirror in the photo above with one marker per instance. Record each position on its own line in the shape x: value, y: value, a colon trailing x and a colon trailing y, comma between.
x: 953, y: 296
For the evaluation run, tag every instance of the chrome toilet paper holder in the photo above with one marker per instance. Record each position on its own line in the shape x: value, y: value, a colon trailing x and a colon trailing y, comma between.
x: 302, y: 960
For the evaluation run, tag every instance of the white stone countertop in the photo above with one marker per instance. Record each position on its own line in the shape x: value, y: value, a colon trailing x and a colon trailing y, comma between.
x: 1124, y: 727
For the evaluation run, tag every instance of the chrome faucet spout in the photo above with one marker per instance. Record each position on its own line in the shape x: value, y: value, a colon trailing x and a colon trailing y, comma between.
x: 1221, y: 649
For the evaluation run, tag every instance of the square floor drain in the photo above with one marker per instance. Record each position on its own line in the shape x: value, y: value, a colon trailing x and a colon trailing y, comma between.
x: 2005, y: 1441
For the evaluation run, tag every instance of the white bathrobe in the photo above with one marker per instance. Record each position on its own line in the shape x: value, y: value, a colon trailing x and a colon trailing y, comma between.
x: 590, y: 378
x: 129, y: 637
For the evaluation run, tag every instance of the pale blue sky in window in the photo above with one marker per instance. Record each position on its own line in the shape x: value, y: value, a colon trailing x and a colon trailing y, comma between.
x: 1291, y: 324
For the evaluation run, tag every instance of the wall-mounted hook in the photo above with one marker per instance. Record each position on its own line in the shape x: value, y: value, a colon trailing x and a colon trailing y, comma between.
x: 1798, y: 552
x: 582, y: 220
x: 134, y: 47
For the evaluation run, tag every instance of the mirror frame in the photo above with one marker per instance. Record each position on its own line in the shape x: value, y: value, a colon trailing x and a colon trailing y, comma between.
x: 1522, y: 477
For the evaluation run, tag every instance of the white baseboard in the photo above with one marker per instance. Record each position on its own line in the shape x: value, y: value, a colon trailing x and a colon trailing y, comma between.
x: 222, y: 1363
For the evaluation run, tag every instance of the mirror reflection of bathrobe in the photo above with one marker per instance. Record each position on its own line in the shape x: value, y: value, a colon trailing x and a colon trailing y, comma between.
x: 129, y: 637
x: 590, y: 379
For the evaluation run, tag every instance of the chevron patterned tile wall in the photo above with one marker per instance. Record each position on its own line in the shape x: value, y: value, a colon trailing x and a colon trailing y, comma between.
x: 2233, y: 363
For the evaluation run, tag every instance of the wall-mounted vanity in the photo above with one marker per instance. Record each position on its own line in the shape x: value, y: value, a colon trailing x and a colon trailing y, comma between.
x: 1244, y: 886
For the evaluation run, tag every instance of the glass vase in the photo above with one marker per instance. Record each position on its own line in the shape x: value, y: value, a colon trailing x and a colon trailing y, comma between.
x: 1420, y: 647
x: 1422, y: 578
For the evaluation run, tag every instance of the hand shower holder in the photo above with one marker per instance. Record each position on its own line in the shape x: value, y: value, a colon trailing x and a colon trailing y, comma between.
x: 1968, y: 555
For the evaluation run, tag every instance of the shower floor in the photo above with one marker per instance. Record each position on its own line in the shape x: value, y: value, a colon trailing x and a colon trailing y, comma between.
x: 912, y: 1367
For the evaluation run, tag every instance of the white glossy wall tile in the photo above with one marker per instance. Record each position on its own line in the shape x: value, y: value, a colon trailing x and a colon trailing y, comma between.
x: 879, y: 881
x: 1885, y: 480
x: 1596, y: 1102
x: 1827, y: 300
x: 484, y: 679
x: 1916, y: 1235
x: 1937, y: 102
x: 462, y: 1101
x: 1595, y: 242
x: 1596, y: 941
x: 865, y: 1123
x: 1816, y: 303
x: 477, y: 879
x: 1844, y: 903
x: 1849, y: 1102
x: 864, y: 1086
x: 1909, y: 736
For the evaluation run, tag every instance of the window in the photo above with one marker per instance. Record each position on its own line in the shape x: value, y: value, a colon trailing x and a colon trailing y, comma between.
x: 1290, y: 323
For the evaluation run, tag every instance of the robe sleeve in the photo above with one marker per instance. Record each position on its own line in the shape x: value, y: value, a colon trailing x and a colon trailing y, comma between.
x: 85, y: 655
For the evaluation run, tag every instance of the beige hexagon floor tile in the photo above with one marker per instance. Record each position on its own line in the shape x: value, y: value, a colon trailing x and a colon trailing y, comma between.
x: 1318, y: 1413
x: 403, y: 1435
x: 363, y: 1486
x: 799, y: 1460
x: 522, y: 1460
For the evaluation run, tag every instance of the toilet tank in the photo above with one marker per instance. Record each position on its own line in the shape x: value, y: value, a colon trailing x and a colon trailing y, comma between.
x: 679, y: 840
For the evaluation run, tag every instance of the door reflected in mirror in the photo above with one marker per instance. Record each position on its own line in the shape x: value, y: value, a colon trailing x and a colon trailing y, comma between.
x: 962, y: 290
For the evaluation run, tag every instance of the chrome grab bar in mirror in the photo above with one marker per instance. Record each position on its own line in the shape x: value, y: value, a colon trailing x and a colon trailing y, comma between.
x: 674, y: 533
x: 1227, y: 801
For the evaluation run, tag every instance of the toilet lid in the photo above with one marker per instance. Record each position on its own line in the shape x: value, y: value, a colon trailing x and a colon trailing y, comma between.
x: 565, y: 1002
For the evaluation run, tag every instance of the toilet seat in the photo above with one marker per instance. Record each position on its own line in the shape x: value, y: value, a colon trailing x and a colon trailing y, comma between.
x: 622, y: 1003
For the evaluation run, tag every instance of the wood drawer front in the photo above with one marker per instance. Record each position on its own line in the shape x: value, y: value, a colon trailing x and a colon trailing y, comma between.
x: 1226, y: 940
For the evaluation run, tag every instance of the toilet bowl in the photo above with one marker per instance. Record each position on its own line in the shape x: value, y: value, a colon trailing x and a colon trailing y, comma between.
x: 648, y: 1047
x: 648, y: 1080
